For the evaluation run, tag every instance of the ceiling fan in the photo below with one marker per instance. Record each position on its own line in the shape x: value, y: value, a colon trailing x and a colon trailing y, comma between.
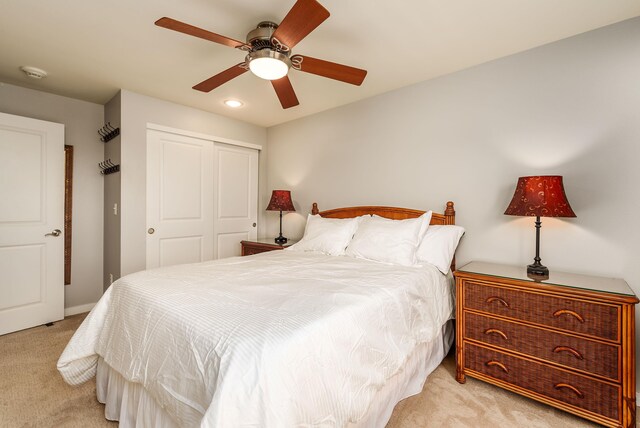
x: 269, y: 55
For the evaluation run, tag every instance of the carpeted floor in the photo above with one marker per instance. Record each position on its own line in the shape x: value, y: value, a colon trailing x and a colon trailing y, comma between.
x: 32, y: 393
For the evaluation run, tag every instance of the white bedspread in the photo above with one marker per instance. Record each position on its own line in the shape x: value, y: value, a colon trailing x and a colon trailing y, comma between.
x: 279, y: 339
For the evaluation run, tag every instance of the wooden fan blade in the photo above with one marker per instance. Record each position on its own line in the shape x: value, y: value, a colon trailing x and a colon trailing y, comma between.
x: 181, y: 27
x: 302, y: 19
x: 213, y: 82
x: 332, y: 70
x: 285, y: 92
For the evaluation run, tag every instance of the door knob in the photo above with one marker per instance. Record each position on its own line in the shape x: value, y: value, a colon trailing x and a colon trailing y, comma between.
x: 254, y: 225
x: 151, y: 230
x: 56, y: 232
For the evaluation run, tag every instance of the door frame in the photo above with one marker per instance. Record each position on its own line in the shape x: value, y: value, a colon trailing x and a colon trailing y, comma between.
x: 202, y: 136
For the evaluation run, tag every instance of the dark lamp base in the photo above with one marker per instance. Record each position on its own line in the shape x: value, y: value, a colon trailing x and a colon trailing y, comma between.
x: 281, y: 240
x: 538, y: 270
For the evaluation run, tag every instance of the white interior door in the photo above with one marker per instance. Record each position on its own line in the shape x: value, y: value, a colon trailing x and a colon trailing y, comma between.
x: 32, y: 207
x: 236, y: 198
x: 179, y: 199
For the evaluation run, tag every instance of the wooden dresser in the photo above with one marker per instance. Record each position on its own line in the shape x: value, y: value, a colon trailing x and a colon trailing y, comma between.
x: 262, y: 245
x: 567, y: 341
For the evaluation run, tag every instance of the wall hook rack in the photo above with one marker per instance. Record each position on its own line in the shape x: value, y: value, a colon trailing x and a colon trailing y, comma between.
x: 107, y: 167
x: 108, y: 132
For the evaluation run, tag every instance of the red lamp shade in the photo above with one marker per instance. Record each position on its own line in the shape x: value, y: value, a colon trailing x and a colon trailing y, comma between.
x: 540, y: 196
x: 280, y: 201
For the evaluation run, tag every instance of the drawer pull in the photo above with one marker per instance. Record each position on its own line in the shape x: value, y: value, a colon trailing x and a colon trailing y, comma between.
x: 568, y: 312
x: 498, y: 299
x: 496, y: 332
x: 575, y: 390
x: 572, y: 351
x: 497, y: 363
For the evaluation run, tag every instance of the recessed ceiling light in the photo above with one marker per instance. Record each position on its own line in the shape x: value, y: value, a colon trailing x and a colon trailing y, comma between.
x: 233, y: 103
x: 33, y: 72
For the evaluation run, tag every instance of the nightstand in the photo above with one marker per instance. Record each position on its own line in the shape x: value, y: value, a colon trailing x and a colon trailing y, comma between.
x: 262, y: 245
x: 567, y: 341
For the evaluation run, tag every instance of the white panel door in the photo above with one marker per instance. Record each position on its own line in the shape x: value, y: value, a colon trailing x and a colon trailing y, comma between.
x: 32, y: 207
x: 236, y: 198
x: 179, y: 199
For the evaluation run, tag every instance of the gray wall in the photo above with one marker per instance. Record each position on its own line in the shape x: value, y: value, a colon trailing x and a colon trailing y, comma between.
x: 139, y: 110
x: 81, y: 119
x: 112, y: 198
x: 570, y: 108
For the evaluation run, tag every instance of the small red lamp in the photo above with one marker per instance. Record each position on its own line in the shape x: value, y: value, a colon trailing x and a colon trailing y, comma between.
x: 280, y: 201
x: 539, y: 196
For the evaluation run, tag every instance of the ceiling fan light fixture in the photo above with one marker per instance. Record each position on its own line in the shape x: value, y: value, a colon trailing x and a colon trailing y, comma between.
x: 268, y: 64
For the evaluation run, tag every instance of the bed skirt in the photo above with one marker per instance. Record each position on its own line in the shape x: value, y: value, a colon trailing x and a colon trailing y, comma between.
x: 131, y: 405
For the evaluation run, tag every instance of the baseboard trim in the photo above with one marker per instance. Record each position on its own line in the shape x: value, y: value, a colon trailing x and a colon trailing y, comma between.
x: 74, y: 310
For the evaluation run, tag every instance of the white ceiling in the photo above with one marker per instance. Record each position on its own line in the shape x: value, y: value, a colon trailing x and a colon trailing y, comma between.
x: 91, y: 48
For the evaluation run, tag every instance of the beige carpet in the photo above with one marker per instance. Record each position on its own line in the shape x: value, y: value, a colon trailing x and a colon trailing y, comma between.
x: 32, y: 393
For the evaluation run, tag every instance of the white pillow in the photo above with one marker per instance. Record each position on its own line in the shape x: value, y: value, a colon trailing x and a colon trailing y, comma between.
x: 426, y: 219
x: 439, y: 246
x: 326, y: 235
x: 388, y: 241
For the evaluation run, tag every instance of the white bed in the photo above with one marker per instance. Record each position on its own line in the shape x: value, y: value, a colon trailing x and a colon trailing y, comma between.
x: 278, y: 339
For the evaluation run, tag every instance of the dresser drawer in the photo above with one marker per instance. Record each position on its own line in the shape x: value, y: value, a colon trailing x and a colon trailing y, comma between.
x: 565, y: 387
x: 570, y: 351
x: 595, y: 319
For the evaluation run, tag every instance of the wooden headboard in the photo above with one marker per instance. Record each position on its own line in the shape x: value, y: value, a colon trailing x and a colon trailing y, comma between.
x: 394, y: 213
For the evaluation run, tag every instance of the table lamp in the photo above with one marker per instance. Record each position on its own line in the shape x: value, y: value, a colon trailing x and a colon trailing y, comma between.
x: 539, y: 196
x: 280, y: 201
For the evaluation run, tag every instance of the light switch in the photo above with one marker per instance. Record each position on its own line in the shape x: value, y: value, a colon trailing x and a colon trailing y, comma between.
x: 115, y: 209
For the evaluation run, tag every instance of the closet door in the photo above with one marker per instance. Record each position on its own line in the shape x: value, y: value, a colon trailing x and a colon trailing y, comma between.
x: 180, y: 190
x: 236, y: 198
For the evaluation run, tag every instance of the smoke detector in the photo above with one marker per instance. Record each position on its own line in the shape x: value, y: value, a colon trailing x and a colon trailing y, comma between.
x: 33, y: 72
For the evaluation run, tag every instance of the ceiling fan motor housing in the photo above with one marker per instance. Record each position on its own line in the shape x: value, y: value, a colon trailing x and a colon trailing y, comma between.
x: 260, y: 37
